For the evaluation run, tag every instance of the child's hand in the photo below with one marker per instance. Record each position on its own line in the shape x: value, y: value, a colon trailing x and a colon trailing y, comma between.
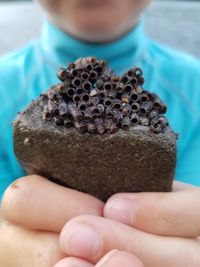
x: 161, y: 229
x: 35, y: 203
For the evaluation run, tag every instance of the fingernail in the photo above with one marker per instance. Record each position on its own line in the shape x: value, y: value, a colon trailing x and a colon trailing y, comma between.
x: 120, y: 209
x: 106, y: 258
x: 82, y: 240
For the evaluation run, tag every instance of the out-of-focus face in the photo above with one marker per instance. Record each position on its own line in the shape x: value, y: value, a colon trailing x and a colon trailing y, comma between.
x: 95, y: 20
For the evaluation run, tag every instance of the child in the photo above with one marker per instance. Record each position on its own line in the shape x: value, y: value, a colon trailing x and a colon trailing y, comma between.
x: 35, y: 210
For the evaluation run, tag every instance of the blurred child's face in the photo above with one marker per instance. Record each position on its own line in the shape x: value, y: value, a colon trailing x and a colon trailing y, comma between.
x: 95, y: 20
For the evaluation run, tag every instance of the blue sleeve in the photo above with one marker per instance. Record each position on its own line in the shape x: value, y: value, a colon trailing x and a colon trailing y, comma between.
x: 5, y: 177
x: 9, y: 168
x: 188, y: 167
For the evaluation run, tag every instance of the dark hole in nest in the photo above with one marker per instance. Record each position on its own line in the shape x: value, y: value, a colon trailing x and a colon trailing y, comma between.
x: 134, y: 97
x: 76, y: 82
x: 82, y: 107
x: 74, y: 72
x: 108, y: 86
x: 128, y: 88
x: 85, y: 97
x: 93, y: 75
x: 143, y: 111
x: 76, y: 98
x: 70, y: 92
x: 86, y: 86
x: 124, y: 79
x: 89, y: 67
x: 144, y: 98
x: 79, y: 91
x: 107, y: 102
x: 117, y: 106
x: 135, y: 106
x: 130, y: 73
x: 84, y: 76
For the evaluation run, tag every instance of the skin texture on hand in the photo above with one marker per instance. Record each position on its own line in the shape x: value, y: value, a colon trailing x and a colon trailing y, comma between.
x: 33, y: 212
x: 47, y: 206
x: 25, y: 248
x: 159, y: 213
x: 169, y: 236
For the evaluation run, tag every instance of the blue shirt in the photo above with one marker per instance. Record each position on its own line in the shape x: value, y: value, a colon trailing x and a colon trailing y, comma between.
x: 174, y: 76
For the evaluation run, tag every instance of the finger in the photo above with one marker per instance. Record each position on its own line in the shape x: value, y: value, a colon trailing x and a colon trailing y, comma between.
x: 180, y: 186
x: 73, y: 262
x: 25, y: 248
x: 36, y: 203
x: 114, y: 258
x: 91, y: 237
x: 117, y: 258
x: 173, y: 214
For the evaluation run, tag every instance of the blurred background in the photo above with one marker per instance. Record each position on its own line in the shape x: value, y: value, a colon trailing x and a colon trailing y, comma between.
x: 175, y: 22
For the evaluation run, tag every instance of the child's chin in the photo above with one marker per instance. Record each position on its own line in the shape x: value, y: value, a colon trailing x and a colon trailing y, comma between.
x: 91, y: 33
x: 94, y: 36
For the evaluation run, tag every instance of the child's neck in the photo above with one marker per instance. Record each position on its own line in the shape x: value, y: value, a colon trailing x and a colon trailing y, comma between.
x: 121, y: 54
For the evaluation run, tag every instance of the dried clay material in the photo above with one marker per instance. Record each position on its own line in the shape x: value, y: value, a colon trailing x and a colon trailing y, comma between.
x: 98, y: 133
x: 90, y: 95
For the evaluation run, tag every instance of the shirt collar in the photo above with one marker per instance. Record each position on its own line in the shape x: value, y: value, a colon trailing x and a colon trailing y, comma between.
x: 61, y: 48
